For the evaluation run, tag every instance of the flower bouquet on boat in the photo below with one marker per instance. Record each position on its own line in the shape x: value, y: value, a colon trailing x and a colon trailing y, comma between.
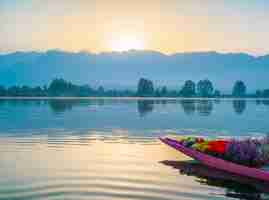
x: 240, y: 156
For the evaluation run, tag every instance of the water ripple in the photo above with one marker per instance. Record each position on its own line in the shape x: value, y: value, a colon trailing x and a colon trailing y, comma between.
x: 96, y: 167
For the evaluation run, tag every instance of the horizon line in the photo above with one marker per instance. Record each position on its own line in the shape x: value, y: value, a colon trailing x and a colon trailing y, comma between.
x: 223, y: 52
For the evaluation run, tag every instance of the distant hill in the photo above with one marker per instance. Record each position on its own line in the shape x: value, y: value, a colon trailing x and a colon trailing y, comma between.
x: 123, y: 69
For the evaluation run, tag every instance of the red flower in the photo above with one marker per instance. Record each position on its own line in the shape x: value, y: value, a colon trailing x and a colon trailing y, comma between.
x: 217, y: 146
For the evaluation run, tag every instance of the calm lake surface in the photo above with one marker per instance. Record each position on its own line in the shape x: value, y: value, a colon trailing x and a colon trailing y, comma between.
x: 109, y: 149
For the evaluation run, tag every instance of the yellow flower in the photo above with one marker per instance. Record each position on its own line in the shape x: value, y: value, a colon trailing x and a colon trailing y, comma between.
x: 201, y: 146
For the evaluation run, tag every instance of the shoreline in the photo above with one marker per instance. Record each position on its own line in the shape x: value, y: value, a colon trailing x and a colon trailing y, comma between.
x: 129, y: 98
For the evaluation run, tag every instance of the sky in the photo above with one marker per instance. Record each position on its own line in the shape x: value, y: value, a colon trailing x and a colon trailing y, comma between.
x: 167, y: 26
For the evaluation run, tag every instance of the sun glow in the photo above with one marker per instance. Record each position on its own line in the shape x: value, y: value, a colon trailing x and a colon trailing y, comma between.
x: 127, y: 43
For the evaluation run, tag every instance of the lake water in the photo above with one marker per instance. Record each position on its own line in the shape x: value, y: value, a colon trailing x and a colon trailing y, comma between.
x: 109, y: 149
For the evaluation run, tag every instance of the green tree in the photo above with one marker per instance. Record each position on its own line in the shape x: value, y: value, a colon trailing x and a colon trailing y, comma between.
x: 85, y: 91
x: 164, y: 91
x: 37, y: 91
x: 3, y: 91
x: 157, y: 92
x: 239, y: 89
x: 265, y: 93
x: 258, y: 93
x: 25, y: 91
x: 100, y: 91
x: 60, y: 87
x: 13, y: 91
x: 217, y: 93
x: 145, y: 88
x: 188, y: 90
x: 205, y: 88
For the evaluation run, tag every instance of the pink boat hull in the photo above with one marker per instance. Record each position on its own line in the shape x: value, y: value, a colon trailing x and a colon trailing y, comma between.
x: 218, y: 163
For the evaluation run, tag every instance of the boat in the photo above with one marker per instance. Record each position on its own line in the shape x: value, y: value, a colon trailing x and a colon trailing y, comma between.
x: 217, y: 163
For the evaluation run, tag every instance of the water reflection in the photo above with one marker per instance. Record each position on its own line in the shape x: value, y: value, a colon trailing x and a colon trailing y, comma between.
x: 204, y: 107
x: 235, y: 186
x: 188, y: 106
x: 258, y: 102
x: 239, y: 106
x: 59, y: 106
x: 265, y: 102
x: 144, y: 107
x: 217, y: 101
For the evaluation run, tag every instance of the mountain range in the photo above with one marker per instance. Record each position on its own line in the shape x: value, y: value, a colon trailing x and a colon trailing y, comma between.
x: 123, y: 69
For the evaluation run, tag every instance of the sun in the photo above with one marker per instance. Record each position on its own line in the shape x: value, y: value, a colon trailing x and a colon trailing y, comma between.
x: 127, y: 43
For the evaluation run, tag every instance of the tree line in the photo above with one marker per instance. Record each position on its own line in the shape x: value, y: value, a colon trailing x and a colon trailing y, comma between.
x: 145, y: 88
x: 204, y: 88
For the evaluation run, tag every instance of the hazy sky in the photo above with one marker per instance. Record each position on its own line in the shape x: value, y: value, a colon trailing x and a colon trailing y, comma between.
x: 163, y: 25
